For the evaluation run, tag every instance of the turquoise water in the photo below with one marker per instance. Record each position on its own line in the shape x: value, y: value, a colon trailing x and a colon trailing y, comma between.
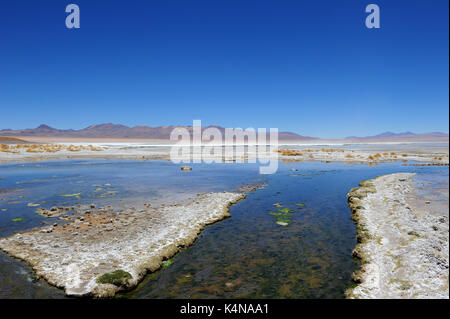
x: 247, y: 255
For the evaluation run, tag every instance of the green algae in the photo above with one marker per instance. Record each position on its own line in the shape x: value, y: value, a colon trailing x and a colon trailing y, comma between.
x: 282, y: 216
x: 118, y: 277
x: 167, y: 263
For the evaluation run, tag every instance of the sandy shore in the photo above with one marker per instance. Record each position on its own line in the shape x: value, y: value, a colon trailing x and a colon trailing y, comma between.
x: 76, y: 253
x: 403, y: 239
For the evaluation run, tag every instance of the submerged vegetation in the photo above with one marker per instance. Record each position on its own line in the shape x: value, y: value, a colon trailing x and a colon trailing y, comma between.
x: 283, y: 216
x: 118, y: 277
x: 169, y: 262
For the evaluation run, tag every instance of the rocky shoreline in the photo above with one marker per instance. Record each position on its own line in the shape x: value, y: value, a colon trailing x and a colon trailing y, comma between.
x: 101, y: 251
x: 403, y: 240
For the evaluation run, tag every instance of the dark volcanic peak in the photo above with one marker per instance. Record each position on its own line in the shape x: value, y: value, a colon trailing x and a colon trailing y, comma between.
x: 44, y: 127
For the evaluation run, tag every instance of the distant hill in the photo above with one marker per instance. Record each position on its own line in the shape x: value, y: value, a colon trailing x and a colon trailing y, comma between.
x: 109, y: 130
x: 433, y: 136
x: 12, y: 140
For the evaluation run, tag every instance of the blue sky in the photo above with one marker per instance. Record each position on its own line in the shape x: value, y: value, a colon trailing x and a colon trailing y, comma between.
x: 311, y: 67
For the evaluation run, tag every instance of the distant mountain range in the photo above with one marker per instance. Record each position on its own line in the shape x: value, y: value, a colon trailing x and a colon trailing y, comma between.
x: 403, y: 136
x: 121, y: 131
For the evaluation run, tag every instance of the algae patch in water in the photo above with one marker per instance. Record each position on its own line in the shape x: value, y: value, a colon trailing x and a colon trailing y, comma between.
x: 17, y: 219
x: 167, y: 263
x: 118, y: 277
x: 283, y: 216
x: 71, y: 195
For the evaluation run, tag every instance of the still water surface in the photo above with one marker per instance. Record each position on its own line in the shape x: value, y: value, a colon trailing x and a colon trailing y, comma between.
x: 245, y: 256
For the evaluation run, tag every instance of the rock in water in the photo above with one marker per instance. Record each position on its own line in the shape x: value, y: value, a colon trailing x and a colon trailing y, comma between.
x: 186, y: 168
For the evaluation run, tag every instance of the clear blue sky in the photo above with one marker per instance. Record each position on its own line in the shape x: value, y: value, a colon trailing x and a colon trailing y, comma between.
x: 305, y: 66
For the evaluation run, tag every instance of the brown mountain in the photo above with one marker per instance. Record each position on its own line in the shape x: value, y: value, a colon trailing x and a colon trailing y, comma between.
x: 110, y: 130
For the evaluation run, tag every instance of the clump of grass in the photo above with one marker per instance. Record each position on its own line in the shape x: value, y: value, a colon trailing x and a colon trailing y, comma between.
x: 118, y: 277
x: 288, y: 152
x: 73, y: 148
x: 6, y: 149
x: 45, y: 148
x: 94, y: 149
x: 349, y: 156
x: 405, y: 155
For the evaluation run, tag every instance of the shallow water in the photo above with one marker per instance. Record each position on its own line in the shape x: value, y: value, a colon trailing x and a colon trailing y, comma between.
x: 247, y: 255
x: 121, y: 184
